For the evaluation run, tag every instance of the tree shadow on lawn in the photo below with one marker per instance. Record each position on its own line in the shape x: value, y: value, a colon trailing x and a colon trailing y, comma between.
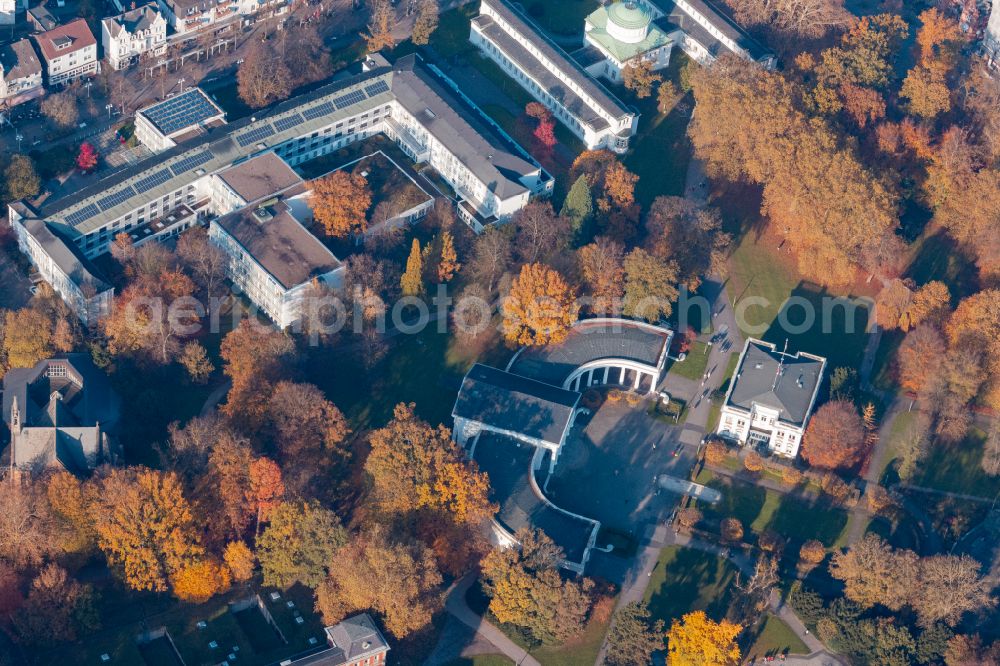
x: 813, y: 320
x: 692, y: 580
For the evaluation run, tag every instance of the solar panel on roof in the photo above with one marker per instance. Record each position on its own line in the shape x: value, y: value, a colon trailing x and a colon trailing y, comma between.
x: 84, y: 213
x: 350, y: 98
x: 115, y: 198
x: 376, y: 88
x: 149, y: 182
x: 191, y: 162
x: 318, y: 110
x: 254, y: 135
x: 289, y: 122
x: 184, y: 110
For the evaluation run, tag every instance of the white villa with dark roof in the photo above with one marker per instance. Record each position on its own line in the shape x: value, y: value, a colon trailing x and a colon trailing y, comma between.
x: 411, y: 103
x: 771, y: 397
x: 132, y: 35
x: 514, y: 421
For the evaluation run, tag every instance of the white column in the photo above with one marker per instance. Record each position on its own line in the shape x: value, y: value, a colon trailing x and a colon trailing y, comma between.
x: 638, y: 380
x: 606, y: 370
x: 621, y: 377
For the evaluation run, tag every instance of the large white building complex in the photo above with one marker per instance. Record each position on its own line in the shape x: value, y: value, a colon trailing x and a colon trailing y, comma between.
x: 552, y: 77
x: 492, y: 177
x: 771, y: 397
x: 163, y: 125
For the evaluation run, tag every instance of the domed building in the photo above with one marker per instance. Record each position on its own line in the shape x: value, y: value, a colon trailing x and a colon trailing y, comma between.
x: 624, y: 32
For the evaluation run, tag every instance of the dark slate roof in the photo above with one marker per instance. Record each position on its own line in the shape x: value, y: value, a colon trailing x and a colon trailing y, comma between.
x: 352, y: 641
x: 556, y: 55
x: 133, y: 21
x: 279, y: 243
x: 792, y: 394
x: 19, y: 60
x: 507, y: 462
x: 510, y: 402
x: 85, y: 402
x: 593, y: 340
x: 720, y: 20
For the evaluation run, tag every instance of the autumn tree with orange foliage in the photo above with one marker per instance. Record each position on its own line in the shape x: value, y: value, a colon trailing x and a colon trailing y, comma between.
x: 254, y: 357
x: 540, y: 308
x: 340, y: 203
x: 266, y: 489
x: 975, y: 325
x: 639, y: 77
x: 144, y: 317
x: 613, y: 185
x: 696, y: 639
x: 145, y: 526
x: 199, y: 582
x: 448, y: 262
x: 835, y: 437
x: 397, y: 579
x: 240, y: 560
x: 603, y: 270
x: 864, y: 106
x: 900, y: 305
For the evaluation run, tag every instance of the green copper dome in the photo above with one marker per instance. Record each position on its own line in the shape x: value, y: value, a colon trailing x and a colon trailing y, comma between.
x: 628, y: 15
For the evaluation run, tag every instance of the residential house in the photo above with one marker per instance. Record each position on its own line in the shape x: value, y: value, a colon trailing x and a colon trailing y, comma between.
x: 771, y: 397
x: 41, y: 19
x: 60, y: 413
x: 355, y: 641
x: 20, y: 73
x: 69, y: 53
x: 130, y: 36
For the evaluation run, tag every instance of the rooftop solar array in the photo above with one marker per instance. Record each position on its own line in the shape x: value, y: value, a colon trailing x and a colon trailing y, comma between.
x: 84, y: 213
x: 318, y: 110
x: 289, y: 122
x: 115, y: 198
x: 349, y: 99
x: 254, y: 135
x: 191, y: 162
x: 182, y: 111
x: 149, y: 182
x: 376, y: 88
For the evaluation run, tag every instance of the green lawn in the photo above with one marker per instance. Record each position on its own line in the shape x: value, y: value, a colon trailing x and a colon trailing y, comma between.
x: 957, y: 468
x: 774, y: 638
x: 482, y: 660
x: 660, y: 150
x: 694, y: 365
x: 760, y: 509
x: 685, y: 580
x: 838, y: 328
x: 564, y: 17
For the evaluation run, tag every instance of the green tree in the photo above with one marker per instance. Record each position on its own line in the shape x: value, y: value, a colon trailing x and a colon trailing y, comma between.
x: 299, y: 544
x: 21, y: 178
x: 650, y: 286
x: 412, y: 282
x: 633, y: 639
x: 578, y: 208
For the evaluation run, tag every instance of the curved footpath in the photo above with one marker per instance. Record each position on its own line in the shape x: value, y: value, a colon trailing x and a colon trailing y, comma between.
x: 456, y: 605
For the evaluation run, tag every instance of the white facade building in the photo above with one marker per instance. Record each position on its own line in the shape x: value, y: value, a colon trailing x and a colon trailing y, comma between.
x: 163, y: 125
x: 20, y: 73
x: 492, y: 176
x: 552, y: 77
x: 771, y: 397
x: 69, y: 53
x: 190, y: 16
x: 128, y: 37
x: 623, y: 33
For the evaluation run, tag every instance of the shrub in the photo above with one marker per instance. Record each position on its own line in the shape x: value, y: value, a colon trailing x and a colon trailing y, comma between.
x: 689, y: 517
x: 731, y: 530
x: 753, y: 462
x: 770, y: 541
x: 879, y: 499
x: 633, y: 398
x: 615, y: 396
x: 835, y: 487
x: 591, y: 399
x: 790, y: 475
x: 715, y: 452
x: 827, y: 631
x: 812, y: 552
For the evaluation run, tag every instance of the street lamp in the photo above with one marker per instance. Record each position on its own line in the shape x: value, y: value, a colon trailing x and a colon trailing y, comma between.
x: 109, y: 107
x: 181, y: 84
x: 88, y: 84
x: 19, y: 139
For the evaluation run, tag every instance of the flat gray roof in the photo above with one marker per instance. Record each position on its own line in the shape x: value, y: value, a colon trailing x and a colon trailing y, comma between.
x: 260, y: 176
x: 279, y: 243
x: 608, y: 102
x: 510, y: 402
x: 769, y: 377
x: 66, y: 256
x: 461, y: 129
x: 593, y: 340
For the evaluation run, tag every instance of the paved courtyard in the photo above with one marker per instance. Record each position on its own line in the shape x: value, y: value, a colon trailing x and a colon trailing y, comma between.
x: 609, y: 468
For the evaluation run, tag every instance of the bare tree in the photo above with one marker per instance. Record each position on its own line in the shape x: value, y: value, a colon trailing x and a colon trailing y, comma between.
x: 203, y: 258
x: 61, y: 109
x: 991, y: 450
x: 263, y: 77
x: 491, y: 257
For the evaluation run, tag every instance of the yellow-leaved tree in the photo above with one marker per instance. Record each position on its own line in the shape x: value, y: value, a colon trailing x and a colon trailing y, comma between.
x: 696, y: 639
x: 540, y: 308
x: 340, y: 203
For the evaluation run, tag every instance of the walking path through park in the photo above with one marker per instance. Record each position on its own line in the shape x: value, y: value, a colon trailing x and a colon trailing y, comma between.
x: 457, y: 606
